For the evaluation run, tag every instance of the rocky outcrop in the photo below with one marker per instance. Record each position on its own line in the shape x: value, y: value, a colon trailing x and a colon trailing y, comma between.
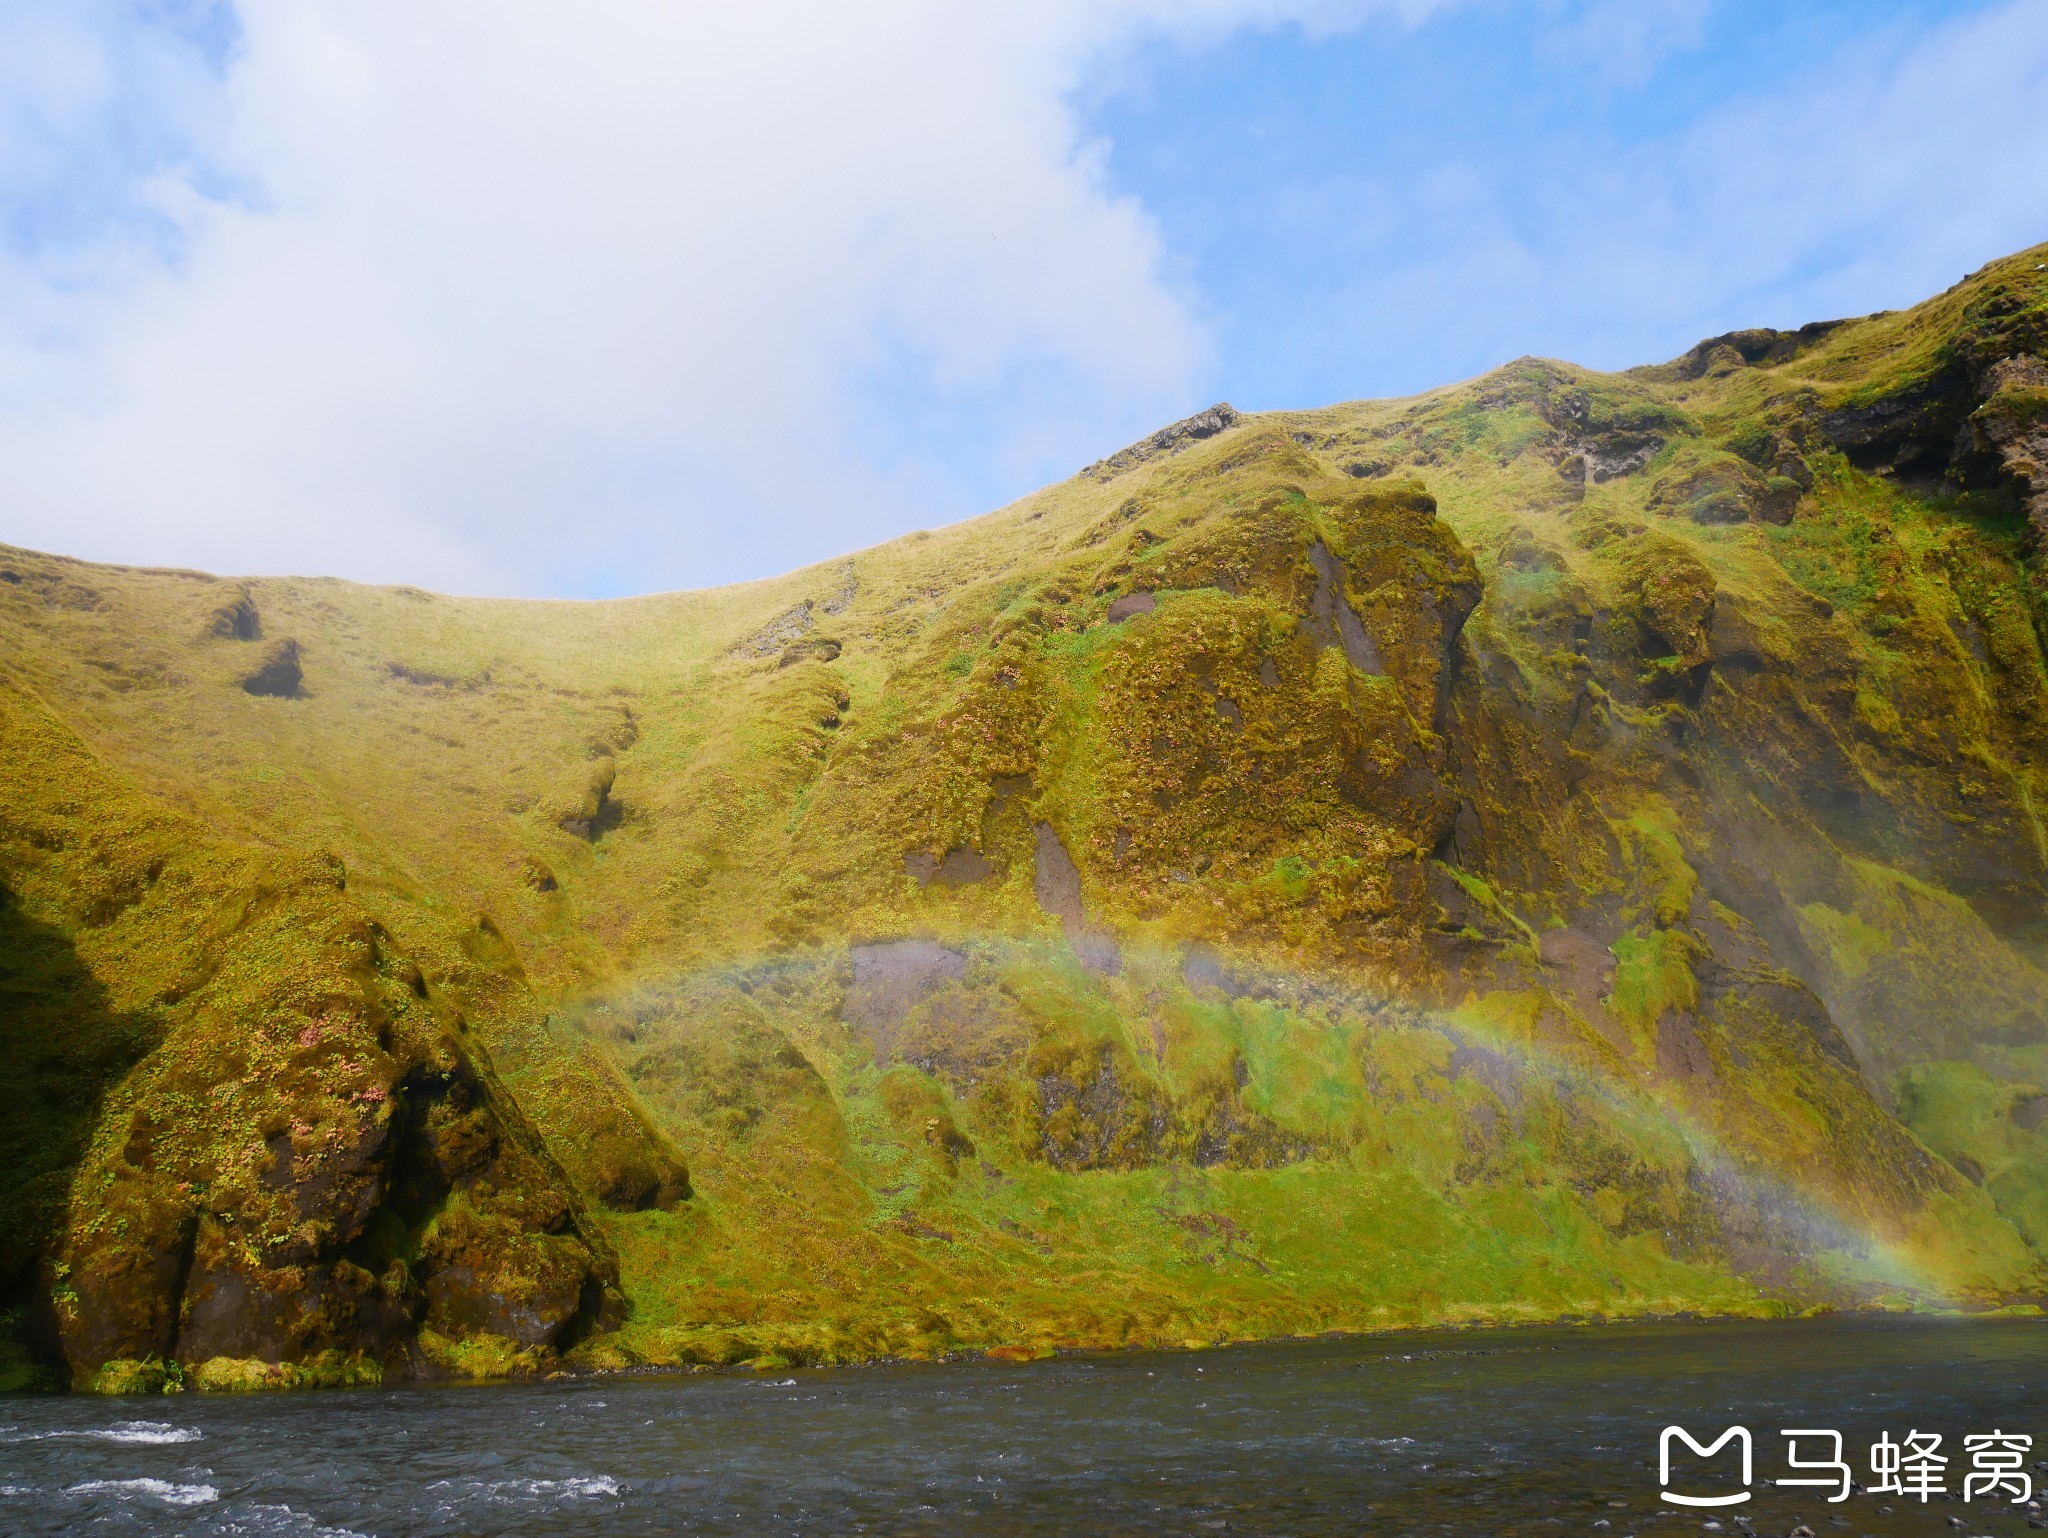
x: 1980, y: 428
x: 1907, y: 431
x: 786, y: 629
x: 792, y: 636
x: 1757, y: 347
x: 1168, y: 440
x: 1592, y: 460
x: 1724, y: 490
x: 2008, y: 436
x: 1597, y: 438
x: 345, y: 1193
x: 1971, y: 412
x: 299, y: 1171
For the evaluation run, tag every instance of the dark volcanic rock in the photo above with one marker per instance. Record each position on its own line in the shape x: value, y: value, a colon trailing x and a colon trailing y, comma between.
x: 1911, y: 431
x: 351, y: 1188
x: 2008, y: 436
x: 1758, y: 347
x: 1168, y: 440
x: 958, y: 866
x: 425, y: 1212
x: 1332, y: 621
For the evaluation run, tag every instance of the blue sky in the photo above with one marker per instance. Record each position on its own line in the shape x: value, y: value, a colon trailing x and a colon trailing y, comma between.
x: 640, y: 295
x: 1380, y: 212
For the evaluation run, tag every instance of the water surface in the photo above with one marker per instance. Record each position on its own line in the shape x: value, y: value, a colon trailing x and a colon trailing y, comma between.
x: 1526, y: 1432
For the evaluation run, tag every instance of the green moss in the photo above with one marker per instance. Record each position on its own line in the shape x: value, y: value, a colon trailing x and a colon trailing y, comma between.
x: 1920, y: 966
x: 329, y: 1369
x: 1477, y: 888
x: 1652, y: 840
x: 125, y: 1375
x: 1652, y: 974
x: 1990, y: 1130
x: 1852, y: 945
x: 482, y: 1356
x: 1755, y: 442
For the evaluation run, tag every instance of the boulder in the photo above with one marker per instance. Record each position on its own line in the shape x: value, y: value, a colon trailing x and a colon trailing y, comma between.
x: 1726, y: 490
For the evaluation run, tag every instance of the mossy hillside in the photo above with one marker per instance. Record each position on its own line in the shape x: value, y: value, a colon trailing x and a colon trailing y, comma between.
x: 1899, y: 949
x: 1434, y: 700
x: 1028, y: 1171
x: 1040, y: 1164
x: 1216, y: 716
x: 239, y: 1131
x: 1990, y: 1128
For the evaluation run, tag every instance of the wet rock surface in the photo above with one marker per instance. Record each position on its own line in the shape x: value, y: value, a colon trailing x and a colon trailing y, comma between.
x: 1056, y: 882
x: 888, y: 980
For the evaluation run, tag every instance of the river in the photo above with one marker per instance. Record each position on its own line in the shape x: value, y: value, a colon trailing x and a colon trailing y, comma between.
x: 1522, y: 1432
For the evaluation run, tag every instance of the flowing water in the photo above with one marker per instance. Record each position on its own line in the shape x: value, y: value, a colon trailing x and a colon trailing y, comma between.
x: 1526, y: 1432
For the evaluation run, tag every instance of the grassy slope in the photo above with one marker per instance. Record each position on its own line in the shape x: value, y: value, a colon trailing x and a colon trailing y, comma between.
x: 1736, y: 760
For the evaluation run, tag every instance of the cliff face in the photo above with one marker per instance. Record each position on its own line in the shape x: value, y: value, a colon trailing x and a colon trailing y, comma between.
x: 1563, y: 844
x: 242, y: 1146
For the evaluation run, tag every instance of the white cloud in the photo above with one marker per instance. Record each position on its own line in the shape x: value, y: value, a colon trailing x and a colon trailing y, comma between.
x: 1870, y: 178
x: 521, y: 296
x: 1910, y: 159
x: 499, y: 295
